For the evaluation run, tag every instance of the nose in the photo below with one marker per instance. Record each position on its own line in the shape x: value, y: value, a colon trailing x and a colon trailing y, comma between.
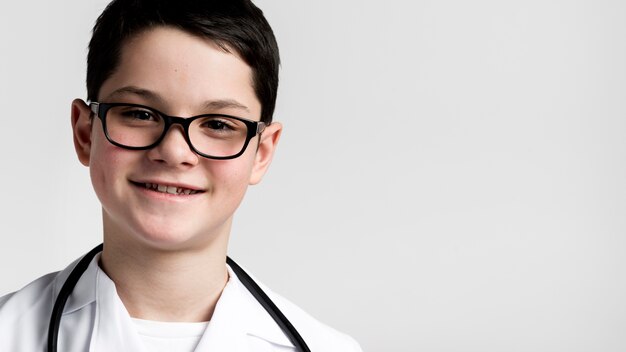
x: 174, y: 150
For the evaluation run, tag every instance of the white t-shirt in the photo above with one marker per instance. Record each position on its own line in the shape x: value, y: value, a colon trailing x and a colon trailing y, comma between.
x: 158, y: 336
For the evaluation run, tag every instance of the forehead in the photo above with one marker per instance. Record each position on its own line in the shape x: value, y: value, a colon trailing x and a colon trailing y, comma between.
x: 182, y: 70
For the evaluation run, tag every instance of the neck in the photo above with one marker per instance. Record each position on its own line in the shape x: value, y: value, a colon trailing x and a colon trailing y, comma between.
x: 153, y: 284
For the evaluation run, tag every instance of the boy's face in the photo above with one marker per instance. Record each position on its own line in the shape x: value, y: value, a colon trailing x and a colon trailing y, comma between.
x: 180, y: 75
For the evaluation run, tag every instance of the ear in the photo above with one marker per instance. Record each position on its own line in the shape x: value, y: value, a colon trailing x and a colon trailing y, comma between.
x: 265, y: 151
x: 81, y: 126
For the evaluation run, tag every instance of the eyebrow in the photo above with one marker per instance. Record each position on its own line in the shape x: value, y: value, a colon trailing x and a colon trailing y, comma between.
x: 215, y: 104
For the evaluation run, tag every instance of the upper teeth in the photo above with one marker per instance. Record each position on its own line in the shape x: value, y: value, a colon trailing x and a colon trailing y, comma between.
x: 169, y: 189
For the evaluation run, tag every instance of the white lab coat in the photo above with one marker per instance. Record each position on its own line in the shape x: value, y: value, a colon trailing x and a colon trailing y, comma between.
x: 95, y: 319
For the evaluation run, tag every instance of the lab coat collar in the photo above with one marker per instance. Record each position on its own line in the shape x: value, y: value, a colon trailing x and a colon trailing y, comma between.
x: 84, y: 292
x: 237, y: 315
x: 113, y: 329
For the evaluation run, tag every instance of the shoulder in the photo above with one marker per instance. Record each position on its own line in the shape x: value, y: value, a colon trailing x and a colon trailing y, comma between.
x: 33, y: 294
x: 25, y: 312
x: 317, y: 335
x: 39, y: 293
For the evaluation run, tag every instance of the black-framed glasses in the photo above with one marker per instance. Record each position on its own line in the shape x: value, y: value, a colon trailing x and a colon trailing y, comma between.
x: 139, y: 127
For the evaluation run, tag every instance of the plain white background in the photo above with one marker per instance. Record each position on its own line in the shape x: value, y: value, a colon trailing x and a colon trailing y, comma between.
x: 451, y: 175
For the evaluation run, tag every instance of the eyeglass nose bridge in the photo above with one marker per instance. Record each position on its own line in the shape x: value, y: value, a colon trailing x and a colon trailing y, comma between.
x: 175, y: 120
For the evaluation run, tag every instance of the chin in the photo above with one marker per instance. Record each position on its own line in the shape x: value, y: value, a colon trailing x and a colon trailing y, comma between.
x: 174, y: 238
x: 162, y: 235
x: 166, y: 233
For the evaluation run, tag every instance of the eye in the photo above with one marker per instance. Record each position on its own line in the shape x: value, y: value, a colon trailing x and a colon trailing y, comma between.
x: 143, y: 115
x: 217, y: 125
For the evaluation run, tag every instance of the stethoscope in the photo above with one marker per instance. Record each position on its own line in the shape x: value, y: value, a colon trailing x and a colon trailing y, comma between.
x: 246, y: 280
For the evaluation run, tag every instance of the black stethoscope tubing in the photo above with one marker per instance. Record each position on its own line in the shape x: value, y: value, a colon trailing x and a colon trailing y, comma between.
x: 280, y: 319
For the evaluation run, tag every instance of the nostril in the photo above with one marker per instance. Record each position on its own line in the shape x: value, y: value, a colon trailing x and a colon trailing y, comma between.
x: 174, y: 149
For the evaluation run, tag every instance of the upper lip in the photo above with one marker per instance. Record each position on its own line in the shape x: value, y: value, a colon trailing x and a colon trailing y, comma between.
x: 170, y: 184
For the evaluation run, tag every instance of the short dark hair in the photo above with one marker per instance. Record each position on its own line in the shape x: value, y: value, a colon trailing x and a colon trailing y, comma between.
x: 232, y: 24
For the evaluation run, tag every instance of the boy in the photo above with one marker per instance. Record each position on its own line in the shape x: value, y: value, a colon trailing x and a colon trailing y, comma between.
x: 178, y: 123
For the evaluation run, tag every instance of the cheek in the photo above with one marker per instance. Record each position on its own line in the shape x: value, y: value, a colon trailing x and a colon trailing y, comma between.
x: 230, y: 178
x: 105, y: 162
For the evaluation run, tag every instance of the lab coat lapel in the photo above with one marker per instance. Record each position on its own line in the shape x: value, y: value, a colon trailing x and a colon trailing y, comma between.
x: 238, y: 317
x: 113, y: 327
x: 76, y: 323
x: 226, y: 332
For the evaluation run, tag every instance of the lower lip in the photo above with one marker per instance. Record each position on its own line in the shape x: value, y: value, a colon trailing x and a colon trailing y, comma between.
x: 163, y: 195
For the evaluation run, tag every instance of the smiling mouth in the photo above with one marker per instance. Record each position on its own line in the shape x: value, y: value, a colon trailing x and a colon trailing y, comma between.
x: 167, y: 189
